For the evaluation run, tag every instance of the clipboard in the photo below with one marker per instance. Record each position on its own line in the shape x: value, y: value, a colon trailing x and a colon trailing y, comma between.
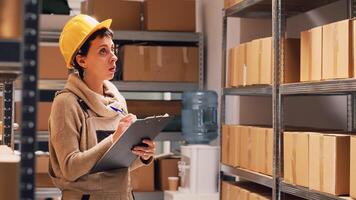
x: 119, y: 154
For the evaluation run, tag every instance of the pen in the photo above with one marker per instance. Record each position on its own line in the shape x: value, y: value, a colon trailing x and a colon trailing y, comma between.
x: 118, y: 110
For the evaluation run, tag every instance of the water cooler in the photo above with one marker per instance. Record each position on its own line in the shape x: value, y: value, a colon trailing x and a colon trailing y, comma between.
x: 199, y: 164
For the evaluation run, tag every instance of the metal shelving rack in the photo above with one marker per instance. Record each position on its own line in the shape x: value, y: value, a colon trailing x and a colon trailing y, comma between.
x: 185, y: 38
x: 138, y: 89
x: 279, y: 10
x: 22, y: 59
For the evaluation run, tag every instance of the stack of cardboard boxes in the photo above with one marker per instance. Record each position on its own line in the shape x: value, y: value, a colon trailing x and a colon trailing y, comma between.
x: 244, y: 191
x: 247, y: 147
x: 326, y: 51
x: 318, y: 161
x: 251, y: 63
x: 152, y: 63
x: 160, y: 63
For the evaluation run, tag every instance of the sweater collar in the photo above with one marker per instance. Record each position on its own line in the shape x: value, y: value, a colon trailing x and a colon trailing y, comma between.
x: 101, y: 105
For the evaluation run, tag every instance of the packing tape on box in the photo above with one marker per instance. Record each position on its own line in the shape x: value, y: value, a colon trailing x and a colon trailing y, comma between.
x: 244, y: 75
x: 185, y: 55
x: 294, y: 159
x: 159, y: 57
x: 146, y: 57
x: 183, y: 72
x: 141, y: 50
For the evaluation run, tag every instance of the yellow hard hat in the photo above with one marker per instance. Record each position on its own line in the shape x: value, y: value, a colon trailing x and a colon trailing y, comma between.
x: 76, y: 32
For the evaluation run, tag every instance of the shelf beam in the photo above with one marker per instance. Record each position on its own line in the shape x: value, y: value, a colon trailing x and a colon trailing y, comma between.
x: 328, y: 87
x: 148, y: 36
x: 43, y: 136
x: 305, y: 193
x: 248, y: 175
x: 129, y: 86
x: 249, y: 91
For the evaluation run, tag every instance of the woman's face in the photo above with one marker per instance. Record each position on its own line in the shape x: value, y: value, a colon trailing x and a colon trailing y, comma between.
x: 101, y: 59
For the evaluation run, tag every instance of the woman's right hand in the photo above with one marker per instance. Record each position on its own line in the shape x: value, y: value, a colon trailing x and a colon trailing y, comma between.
x: 124, y: 124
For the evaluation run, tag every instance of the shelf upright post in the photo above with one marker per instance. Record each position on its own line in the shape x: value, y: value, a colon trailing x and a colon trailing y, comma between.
x: 351, y: 112
x: 351, y: 98
x: 201, y: 61
x: 223, y: 83
x: 278, y: 34
x: 29, y: 99
x: 223, y: 69
x: 351, y: 9
x: 8, y: 113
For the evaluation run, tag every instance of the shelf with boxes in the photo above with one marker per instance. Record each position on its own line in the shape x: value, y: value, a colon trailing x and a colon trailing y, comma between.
x: 336, y: 77
x: 128, y: 82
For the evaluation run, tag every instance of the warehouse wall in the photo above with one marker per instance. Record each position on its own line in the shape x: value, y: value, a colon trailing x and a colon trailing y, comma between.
x: 327, y: 112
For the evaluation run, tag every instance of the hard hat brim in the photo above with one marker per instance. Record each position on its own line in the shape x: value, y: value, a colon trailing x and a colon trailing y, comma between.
x: 103, y: 24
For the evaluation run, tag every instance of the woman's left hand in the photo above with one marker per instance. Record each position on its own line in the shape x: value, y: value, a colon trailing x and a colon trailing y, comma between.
x: 147, y: 151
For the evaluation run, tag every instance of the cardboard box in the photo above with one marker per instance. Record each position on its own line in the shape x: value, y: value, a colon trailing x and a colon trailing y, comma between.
x: 126, y: 15
x: 291, y: 71
x: 253, y: 58
x: 51, y: 62
x: 244, y: 194
x: 353, y: 167
x: 311, y: 54
x: 260, y: 65
x: 266, y: 61
x: 241, y: 60
x: 225, y: 190
x: 337, y: 50
x: 165, y: 167
x: 245, y: 149
x: 234, y: 192
x: 230, y: 3
x: 234, y: 145
x: 156, y: 63
x: 255, y: 149
x: 296, y: 158
x: 43, y: 113
x: 142, y: 179
x: 232, y: 68
x: 42, y: 177
x: 259, y: 146
x: 225, y: 138
x: 9, y: 173
x: 11, y: 19
x: 169, y: 15
x: 329, y: 163
x: 145, y: 108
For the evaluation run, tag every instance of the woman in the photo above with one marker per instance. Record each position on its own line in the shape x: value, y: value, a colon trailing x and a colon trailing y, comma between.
x: 84, y: 115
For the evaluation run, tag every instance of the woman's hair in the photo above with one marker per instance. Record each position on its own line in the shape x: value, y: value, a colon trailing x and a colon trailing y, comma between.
x: 83, y: 51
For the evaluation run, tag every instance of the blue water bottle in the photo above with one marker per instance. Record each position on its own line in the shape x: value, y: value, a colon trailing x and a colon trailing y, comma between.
x: 199, y: 116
